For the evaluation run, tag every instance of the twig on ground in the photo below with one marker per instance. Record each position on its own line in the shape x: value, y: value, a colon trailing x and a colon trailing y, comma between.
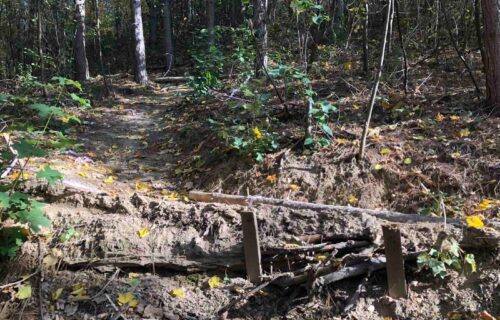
x: 107, y: 284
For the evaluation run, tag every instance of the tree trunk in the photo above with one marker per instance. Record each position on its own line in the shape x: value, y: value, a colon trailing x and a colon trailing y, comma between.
x: 153, y: 21
x: 141, y: 75
x: 98, y: 34
x: 260, y: 25
x: 169, y: 43
x: 81, y: 64
x: 491, y: 16
x: 211, y: 21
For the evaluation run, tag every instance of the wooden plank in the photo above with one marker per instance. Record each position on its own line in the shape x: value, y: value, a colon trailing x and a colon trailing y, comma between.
x: 251, y: 246
x: 395, y: 263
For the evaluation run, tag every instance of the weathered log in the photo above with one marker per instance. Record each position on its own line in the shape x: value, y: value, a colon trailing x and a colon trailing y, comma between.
x: 318, y: 247
x: 251, y: 200
x: 170, y: 79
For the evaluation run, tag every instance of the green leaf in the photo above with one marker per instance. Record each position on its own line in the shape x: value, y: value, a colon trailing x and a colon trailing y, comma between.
x: 24, y: 292
x: 49, y: 174
x: 34, y: 218
x: 471, y: 261
x: 45, y: 110
x: 25, y: 149
x: 327, y: 129
x: 308, y: 141
x: 4, y: 200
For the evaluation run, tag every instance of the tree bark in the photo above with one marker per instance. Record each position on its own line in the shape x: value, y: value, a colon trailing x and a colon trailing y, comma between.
x: 260, y: 25
x: 491, y: 18
x: 169, y: 43
x: 81, y: 63
x: 141, y: 75
x: 211, y: 21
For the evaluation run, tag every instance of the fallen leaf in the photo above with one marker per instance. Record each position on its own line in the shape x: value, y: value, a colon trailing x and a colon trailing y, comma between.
x: 378, y: 167
x: 439, y: 117
x: 173, y: 196
x: 291, y: 245
x: 355, y: 107
x: 271, y: 179
x: 454, y: 118
x: 342, y: 141
x: 142, y: 187
x: 127, y: 299
x: 214, y: 282
x: 57, y: 294
x: 83, y: 174
x: 110, y: 179
x: 385, y: 151
x: 348, y: 65
x: 294, y: 187
x: 178, y: 293
x: 407, y: 161
x: 50, y: 261
x: 320, y: 257
x: 143, y: 232
x: 463, y: 133
x: 352, y: 199
x: 474, y: 221
x: 455, y: 155
x: 24, y: 292
x: 484, y: 205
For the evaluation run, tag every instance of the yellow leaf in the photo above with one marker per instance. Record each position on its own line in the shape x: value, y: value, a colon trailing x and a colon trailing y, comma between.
x: 352, y: 199
x: 119, y: 107
x: 110, y: 179
x: 83, y: 174
x: 407, y: 161
x: 455, y: 155
x: 173, y: 196
x: 24, y: 292
x: 320, y: 257
x: 385, y: 151
x: 143, y: 232
x: 378, y: 167
x: 463, y: 133
x: 57, y: 294
x: 474, y: 221
x: 355, y: 107
x: 133, y: 275
x: 257, y: 134
x: 142, y: 187
x: 178, y: 293
x: 214, y: 282
x: 455, y: 118
x: 484, y: 205
x: 348, y: 65
x: 291, y: 245
x: 294, y: 187
x: 128, y: 299
x: 342, y: 141
x: 439, y: 117
x: 271, y: 179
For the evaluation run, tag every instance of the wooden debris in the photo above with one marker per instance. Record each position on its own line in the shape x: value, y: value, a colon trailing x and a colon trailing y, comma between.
x: 395, y: 264
x: 251, y: 200
x: 251, y: 246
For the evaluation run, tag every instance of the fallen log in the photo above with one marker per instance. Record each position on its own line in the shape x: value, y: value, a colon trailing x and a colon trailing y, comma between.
x: 170, y: 79
x: 380, y: 214
x: 351, y: 244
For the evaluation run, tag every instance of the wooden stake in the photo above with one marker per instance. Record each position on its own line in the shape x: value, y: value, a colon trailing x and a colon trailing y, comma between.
x: 395, y: 262
x: 251, y: 246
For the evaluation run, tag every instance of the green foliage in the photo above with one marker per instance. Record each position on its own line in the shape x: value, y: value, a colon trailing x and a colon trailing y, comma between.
x: 49, y: 174
x: 438, y: 261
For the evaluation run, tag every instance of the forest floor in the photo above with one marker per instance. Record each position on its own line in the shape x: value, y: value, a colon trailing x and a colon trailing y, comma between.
x: 123, y: 222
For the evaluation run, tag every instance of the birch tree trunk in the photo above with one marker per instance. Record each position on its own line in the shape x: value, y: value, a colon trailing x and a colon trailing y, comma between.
x: 169, y: 43
x: 491, y: 17
x: 260, y: 25
x: 211, y: 21
x: 141, y: 75
x: 81, y: 63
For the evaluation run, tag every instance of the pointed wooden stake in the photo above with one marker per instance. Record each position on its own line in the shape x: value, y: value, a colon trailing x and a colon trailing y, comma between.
x: 251, y: 246
x: 395, y: 263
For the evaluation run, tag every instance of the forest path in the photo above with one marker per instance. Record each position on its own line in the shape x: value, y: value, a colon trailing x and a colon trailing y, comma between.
x: 126, y: 144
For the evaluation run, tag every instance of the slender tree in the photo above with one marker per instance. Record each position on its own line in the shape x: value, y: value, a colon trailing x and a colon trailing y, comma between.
x: 81, y: 63
x: 169, y: 43
x: 141, y: 75
x: 491, y: 17
x: 260, y: 25
x: 211, y: 21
